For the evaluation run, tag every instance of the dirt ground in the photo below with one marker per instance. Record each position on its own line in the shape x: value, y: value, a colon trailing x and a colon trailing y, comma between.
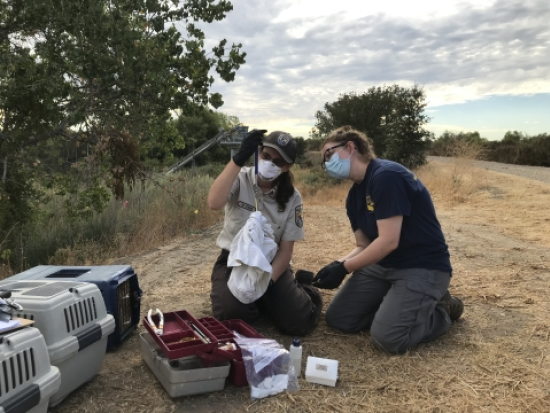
x: 494, y: 359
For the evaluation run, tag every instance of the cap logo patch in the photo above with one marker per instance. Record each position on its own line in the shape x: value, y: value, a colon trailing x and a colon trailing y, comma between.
x: 282, y: 140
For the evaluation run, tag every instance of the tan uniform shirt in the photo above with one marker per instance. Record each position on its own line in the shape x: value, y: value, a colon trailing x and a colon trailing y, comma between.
x: 287, y: 225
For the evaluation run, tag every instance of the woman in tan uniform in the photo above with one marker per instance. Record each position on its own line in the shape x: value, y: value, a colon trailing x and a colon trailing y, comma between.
x: 292, y: 303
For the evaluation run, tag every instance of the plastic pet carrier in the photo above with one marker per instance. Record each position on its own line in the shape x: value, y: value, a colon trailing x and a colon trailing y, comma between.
x: 118, y: 285
x: 74, y: 322
x: 27, y: 380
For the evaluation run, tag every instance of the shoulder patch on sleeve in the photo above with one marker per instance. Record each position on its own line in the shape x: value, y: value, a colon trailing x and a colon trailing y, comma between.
x: 370, y: 203
x: 299, y: 216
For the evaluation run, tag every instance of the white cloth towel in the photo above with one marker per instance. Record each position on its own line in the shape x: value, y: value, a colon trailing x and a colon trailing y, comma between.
x: 251, y: 253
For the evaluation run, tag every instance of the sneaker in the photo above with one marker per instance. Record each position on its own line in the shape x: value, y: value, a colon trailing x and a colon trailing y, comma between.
x: 452, y: 305
x: 304, y: 277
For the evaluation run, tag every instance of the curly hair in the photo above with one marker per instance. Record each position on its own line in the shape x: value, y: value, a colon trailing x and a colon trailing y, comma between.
x: 347, y: 134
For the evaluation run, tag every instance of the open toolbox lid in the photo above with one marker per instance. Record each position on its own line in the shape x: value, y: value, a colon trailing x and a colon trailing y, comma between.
x: 182, y: 336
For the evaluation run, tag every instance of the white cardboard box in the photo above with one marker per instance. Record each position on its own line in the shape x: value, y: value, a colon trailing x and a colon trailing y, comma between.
x: 322, y: 371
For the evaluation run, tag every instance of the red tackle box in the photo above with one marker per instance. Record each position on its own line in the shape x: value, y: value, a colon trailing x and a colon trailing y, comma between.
x: 180, y: 339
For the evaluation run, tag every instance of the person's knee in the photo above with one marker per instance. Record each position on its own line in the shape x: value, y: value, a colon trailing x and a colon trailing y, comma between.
x: 298, y: 325
x: 389, y: 340
x: 335, y: 320
x: 228, y: 311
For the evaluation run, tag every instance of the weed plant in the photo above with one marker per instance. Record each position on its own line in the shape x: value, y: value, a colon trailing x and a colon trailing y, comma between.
x: 453, y: 182
x: 314, y: 179
x: 162, y: 208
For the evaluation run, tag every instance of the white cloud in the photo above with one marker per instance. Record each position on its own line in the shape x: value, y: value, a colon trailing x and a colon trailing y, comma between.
x: 301, y: 54
x: 351, y: 9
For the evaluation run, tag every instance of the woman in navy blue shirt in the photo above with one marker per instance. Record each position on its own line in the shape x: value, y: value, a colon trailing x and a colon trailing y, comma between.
x: 400, y: 264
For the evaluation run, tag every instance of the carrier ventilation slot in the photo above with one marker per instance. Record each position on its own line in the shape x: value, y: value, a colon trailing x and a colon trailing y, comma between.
x: 79, y: 314
x: 16, y: 371
x: 25, y: 316
x: 69, y: 273
x: 125, y: 305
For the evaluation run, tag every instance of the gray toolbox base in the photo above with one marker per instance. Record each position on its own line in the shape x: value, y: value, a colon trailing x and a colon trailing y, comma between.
x: 182, y: 377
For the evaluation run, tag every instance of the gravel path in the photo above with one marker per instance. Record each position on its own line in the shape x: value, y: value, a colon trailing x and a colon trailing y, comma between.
x: 537, y: 173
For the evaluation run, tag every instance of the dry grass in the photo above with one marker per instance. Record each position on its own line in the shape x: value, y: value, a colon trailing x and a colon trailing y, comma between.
x: 517, y: 206
x: 452, y: 183
x: 492, y: 360
x: 520, y: 207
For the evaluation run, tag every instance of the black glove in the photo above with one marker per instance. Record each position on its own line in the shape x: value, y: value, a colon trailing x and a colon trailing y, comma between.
x: 330, y: 276
x: 248, y: 146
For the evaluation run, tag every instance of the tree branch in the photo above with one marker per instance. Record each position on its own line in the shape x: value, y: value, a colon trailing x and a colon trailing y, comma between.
x: 5, y: 173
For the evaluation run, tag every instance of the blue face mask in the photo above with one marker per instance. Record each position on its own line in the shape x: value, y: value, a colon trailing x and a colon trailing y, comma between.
x: 338, y: 168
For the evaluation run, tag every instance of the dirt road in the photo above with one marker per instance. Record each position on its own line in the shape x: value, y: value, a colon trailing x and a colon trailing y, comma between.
x: 536, y: 173
x: 494, y: 359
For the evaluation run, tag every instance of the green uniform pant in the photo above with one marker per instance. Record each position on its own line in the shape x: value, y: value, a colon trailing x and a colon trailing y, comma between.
x: 292, y: 307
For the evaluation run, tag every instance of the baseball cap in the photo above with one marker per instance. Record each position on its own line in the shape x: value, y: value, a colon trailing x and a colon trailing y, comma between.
x: 283, y: 143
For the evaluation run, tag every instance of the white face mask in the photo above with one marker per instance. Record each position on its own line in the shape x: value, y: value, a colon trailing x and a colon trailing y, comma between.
x: 268, y: 171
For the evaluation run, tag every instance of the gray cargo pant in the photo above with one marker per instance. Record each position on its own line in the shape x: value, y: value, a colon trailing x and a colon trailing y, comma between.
x: 293, y: 308
x: 399, y: 306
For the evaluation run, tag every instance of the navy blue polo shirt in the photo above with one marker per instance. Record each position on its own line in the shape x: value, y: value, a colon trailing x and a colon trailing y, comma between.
x: 389, y: 189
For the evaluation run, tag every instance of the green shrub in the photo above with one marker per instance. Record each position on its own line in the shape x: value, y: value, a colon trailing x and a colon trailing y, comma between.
x: 311, y: 180
x: 163, y: 208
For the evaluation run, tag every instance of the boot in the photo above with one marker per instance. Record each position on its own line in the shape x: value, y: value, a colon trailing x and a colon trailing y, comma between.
x: 452, y: 305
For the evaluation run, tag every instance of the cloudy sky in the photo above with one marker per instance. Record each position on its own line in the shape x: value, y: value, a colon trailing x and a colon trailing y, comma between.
x: 484, y: 64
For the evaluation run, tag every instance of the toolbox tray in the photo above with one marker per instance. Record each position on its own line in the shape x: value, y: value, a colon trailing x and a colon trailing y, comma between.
x: 179, y: 339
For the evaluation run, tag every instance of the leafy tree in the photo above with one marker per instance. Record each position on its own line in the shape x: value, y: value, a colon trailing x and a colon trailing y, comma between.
x: 536, y: 150
x: 315, y: 140
x: 458, y: 144
x: 300, y: 148
x: 521, y: 149
x: 197, y: 128
x: 392, y: 116
x: 513, y: 137
x: 227, y: 122
x: 102, y: 77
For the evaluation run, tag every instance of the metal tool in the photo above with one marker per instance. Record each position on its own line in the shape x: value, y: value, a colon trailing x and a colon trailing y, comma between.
x: 160, y: 329
x: 201, y: 335
x: 256, y: 153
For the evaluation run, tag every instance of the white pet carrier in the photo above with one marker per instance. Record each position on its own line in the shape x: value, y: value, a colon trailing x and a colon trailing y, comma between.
x: 27, y: 380
x: 74, y: 322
